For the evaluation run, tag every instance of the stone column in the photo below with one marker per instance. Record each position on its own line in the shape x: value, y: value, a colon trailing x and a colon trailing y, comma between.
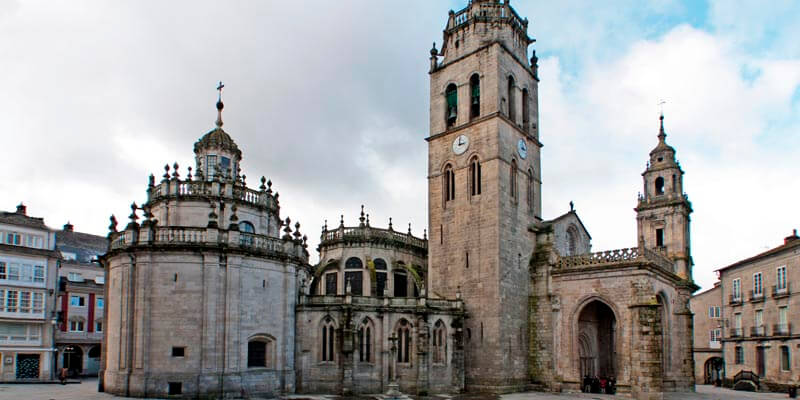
x: 646, y: 351
x: 348, y: 363
x: 423, y: 366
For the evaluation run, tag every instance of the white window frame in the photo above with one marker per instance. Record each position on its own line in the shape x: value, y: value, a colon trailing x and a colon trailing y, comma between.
x: 758, y: 284
x: 758, y: 318
x: 737, y: 319
x: 737, y: 288
x: 81, y: 299
x: 780, y: 279
x: 76, y: 326
x: 783, y: 315
x: 98, y: 326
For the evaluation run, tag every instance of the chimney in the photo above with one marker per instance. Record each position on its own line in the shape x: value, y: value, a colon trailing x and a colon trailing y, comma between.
x: 21, y: 209
x: 792, y: 238
x: 68, y: 227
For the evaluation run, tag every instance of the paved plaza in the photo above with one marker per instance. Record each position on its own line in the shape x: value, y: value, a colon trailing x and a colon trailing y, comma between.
x: 87, y: 390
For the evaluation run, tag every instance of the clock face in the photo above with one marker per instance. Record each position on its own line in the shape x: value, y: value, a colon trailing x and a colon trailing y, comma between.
x: 460, y: 144
x: 522, y: 148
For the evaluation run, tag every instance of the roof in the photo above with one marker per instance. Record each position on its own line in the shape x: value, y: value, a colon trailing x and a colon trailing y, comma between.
x: 13, y: 218
x: 85, y: 246
x: 567, y: 214
x: 792, y: 242
x: 217, y: 139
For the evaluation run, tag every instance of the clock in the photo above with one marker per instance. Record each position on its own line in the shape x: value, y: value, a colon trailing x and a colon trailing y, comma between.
x: 522, y: 148
x: 460, y: 144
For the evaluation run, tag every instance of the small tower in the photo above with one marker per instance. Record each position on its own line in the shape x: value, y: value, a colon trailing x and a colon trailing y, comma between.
x: 216, y: 152
x: 662, y: 213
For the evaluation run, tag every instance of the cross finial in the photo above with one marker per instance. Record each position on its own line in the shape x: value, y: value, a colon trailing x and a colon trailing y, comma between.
x: 661, y: 134
x: 220, y: 106
x: 661, y: 103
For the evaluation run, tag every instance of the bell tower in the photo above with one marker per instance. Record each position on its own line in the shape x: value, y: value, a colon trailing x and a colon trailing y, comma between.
x: 484, y: 185
x: 662, y: 213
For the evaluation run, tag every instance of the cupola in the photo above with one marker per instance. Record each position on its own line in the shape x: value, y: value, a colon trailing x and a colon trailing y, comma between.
x: 216, y: 154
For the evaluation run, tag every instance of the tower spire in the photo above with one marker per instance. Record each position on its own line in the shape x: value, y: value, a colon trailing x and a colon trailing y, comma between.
x: 661, y: 134
x: 220, y: 105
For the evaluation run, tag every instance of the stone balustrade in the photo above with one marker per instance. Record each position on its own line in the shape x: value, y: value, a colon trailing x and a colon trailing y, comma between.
x: 618, y: 256
x: 209, y: 237
x: 487, y: 12
x: 368, y: 233
x: 230, y: 189
x: 402, y: 302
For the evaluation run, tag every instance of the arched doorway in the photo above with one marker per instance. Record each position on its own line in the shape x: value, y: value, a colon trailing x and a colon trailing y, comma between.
x: 73, y: 359
x: 713, y: 370
x: 93, y: 362
x: 597, y: 348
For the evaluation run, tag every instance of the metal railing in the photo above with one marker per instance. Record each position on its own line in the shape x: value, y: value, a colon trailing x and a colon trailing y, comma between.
x: 736, y: 333
x: 782, y: 330
x: 756, y: 297
x: 758, y: 331
x: 781, y: 291
x: 735, y: 299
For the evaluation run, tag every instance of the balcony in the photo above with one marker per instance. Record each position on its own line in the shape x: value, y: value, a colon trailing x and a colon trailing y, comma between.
x: 756, y: 297
x: 780, y: 292
x: 736, y: 333
x: 735, y: 300
x: 714, y: 344
x: 782, y: 330
x: 758, y: 331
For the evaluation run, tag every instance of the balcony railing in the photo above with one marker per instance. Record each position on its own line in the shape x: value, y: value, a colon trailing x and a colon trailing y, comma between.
x: 619, y: 256
x: 736, y: 333
x: 367, y: 233
x: 782, y: 330
x: 756, y: 297
x: 758, y: 331
x: 735, y: 300
x: 778, y: 292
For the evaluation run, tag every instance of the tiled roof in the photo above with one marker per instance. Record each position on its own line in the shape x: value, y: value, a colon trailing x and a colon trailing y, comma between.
x: 13, y: 218
x: 788, y: 245
x: 85, y: 246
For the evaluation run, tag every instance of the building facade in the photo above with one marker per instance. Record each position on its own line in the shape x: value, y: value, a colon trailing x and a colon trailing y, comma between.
x: 80, y: 301
x: 709, y: 365
x: 28, y: 270
x: 759, y: 306
x: 206, y: 296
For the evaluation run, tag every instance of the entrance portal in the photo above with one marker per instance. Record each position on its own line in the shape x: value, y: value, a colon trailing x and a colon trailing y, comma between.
x: 73, y: 360
x: 713, y: 370
x: 597, y: 350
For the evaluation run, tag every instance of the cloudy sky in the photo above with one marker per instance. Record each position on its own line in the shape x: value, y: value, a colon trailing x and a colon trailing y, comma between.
x: 329, y: 99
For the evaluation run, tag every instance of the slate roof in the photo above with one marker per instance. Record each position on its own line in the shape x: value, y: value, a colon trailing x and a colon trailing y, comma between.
x: 85, y: 246
x: 13, y: 218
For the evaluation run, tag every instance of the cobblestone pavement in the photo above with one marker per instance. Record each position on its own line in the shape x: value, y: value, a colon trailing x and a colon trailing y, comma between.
x: 87, y: 390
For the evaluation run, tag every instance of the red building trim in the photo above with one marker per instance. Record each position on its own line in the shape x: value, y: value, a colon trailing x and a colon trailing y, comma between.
x: 90, y: 322
x: 64, y: 311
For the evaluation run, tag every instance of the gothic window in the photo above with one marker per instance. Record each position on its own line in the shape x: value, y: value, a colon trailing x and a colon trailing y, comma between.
x: 365, y: 342
x: 260, y: 353
x: 439, y: 343
x: 330, y: 284
x: 511, y: 112
x: 531, y: 202
x: 355, y: 280
x: 451, y: 95
x: 513, y: 181
x: 525, y: 110
x: 659, y: 185
x: 572, y: 240
x: 328, y: 339
x: 475, y: 96
x: 449, y: 183
x: 400, y: 284
x: 475, y: 177
x: 353, y: 263
x: 404, y: 342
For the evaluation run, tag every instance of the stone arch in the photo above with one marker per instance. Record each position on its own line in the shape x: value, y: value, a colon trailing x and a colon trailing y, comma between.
x: 713, y: 369
x: 366, y: 340
x: 328, y: 331
x: 404, y: 331
x: 573, y: 238
x: 261, y: 351
x: 317, y: 277
x: 596, y: 336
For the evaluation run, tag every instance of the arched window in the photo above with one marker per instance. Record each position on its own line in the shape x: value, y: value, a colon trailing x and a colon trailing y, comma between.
x: 572, y: 240
x: 400, y: 283
x: 513, y: 181
x: 439, y: 343
x: 659, y: 185
x: 380, y: 276
x: 475, y: 96
x: 260, y: 352
x: 674, y: 184
x: 365, y: 341
x: 474, y: 177
x: 328, y: 339
x: 354, y: 279
x: 451, y: 96
x: 449, y: 183
x: 353, y: 263
x: 531, y: 202
x: 511, y: 105
x: 404, y: 342
x: 248, y: 230
x: 525, y: 110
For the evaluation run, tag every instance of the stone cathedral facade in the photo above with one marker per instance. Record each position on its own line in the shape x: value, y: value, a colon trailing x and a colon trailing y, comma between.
x: 211, y: 294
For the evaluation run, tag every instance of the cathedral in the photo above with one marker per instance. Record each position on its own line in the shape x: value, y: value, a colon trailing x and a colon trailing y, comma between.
x: 210, y: 292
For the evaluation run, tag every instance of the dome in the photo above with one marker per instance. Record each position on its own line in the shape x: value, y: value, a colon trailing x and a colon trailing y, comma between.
x: 217, y: 139
x: 662, y: 142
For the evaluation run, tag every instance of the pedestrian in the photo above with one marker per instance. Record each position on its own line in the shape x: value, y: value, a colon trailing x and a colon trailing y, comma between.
x: 62, y: 376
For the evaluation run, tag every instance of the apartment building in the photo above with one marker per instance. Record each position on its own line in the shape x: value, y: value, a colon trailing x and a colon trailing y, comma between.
x: 28, y: 269
x: 761, y: 303
x: 708, y: 325
x: 80, y: 303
